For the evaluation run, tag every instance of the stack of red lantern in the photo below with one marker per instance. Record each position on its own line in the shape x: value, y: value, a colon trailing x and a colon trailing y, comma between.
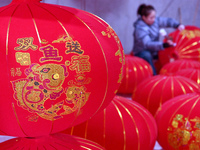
x: 154, y: 91
x: 51, y: 57
x: 177, y: 118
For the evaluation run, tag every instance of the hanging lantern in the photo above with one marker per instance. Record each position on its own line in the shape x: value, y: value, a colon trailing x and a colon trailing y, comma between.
x: 135, y: 70
x: 59, y: 66
x: 187, y: 46
x: 51, y: 142
x: 156, y: 90
x: 193, y: 74
x: 178, y: 123
x: 123, y: 125
x: 173, y: 67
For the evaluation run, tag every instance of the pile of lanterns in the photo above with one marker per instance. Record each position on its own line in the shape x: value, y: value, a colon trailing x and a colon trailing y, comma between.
x: 66, y: 84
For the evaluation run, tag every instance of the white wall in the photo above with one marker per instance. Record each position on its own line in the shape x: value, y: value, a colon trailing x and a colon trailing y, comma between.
x: 121, y: 14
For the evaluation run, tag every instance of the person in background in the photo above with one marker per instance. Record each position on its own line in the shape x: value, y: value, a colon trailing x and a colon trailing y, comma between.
x: 146, y: 34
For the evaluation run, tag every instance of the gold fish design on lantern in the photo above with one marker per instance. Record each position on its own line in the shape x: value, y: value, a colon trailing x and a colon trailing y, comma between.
x: 42, y: 83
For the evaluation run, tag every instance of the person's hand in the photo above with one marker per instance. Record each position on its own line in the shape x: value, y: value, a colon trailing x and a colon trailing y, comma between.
x: 181, y: 27
x: 170, y: 42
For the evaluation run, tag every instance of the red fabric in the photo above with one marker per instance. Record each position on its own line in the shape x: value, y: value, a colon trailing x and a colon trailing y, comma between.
x: 156, y: 90
x: 187, y: 46
x: 50, y: 142
x: 135, y: 71
x: 124, y: 124
x: 173, y: 67
x: 59, y: 66
x: 178, y: 121
x: 191, y: 73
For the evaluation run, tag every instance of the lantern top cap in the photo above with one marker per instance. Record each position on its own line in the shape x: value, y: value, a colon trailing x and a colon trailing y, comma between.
x: 26, y: 1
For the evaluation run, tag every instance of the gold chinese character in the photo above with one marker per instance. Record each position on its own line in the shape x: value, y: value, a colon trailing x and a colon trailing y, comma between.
x: 18, y: 72
x: 80, y: 64
x: 50, y: 54
x: 15, y: 72
x: 25, y: 44
x: 12, y: 71
x: 73, y: 47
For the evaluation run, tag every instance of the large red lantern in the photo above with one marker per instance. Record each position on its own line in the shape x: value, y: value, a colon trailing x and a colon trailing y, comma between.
x: 123, y: 124
x: 187, y: 45
x: 59, y: 66
x: 173, y: 67
x: 178, y: 123
x: 50, y: 142
x: 191, y: 73
x: 135, y: 71
x: 156, y: 90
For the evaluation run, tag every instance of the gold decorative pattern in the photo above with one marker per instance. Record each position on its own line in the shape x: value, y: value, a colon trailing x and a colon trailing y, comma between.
x: 184, y: 132
x: 23, y: 58
x: 191, y: 33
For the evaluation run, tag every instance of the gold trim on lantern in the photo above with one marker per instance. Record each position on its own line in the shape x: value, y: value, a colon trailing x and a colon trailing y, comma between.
x: 8, y: 29
x: 104, y: 127
x: 36, y: 29
x: 13, y: 105
x: 129, y: 113
x: 121, y: 117
x: 56, y: 19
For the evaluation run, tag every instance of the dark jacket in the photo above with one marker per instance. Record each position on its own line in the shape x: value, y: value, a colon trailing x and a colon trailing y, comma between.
x: 146, y: 37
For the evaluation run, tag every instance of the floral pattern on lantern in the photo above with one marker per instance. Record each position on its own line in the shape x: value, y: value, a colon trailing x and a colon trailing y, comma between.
x: 178, y: 123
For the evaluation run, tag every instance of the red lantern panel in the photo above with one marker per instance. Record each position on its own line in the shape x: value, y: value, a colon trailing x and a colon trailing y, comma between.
x: 178, y: 123
x: 51, y: 142
x: 53, y: 60
x: 173, y: 67
x: 135, y: 71
x: 154, y: 91
x: 124, y: 124
x: 193, y: 74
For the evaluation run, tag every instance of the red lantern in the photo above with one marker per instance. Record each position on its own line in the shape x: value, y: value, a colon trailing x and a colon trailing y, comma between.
x: 193, y: 74
x: 124, y: 124
x: 59, y: 66
x: 156, y: 90
x: 178, y: 123
x: 50, y: 142
x: 173, y: 67
x: 135, y: 70
x: 187, y: 45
